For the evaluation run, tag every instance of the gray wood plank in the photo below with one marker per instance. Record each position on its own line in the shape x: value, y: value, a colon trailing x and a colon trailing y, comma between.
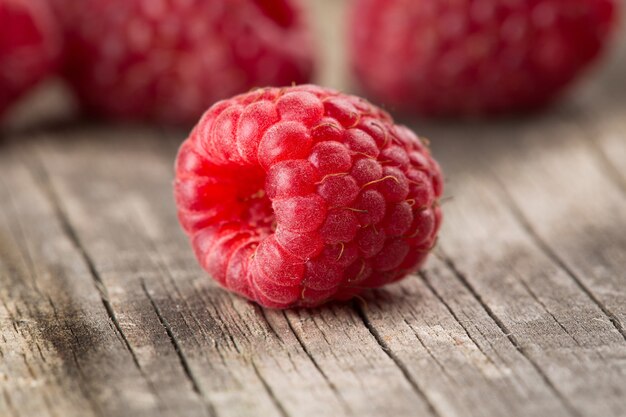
x: 445, y: 339
x: 531, y: 295
x: 157, y: 227
x: 59, y: 345
x: 573, y: 210
x: 231, y: 353
x: 86, y: 175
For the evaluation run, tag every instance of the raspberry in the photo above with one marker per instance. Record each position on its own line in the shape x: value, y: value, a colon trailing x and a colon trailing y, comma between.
x: 301, y: 195
x: 29, y: 47
x: 168, y: 61
x: 473, y: 57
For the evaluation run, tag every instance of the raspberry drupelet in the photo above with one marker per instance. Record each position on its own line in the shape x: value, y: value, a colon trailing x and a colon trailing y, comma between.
x: 297, y: 196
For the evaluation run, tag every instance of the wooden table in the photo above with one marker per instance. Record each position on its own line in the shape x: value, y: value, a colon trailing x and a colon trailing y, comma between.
x: 521, y: 312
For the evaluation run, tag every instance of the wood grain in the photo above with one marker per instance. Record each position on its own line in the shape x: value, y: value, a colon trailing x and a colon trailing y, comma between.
x: 520, y: 312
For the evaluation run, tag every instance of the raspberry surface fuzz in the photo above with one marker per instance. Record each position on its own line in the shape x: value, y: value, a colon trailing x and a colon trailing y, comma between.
x: 297, y: 196
x: 30, y: 45
x: 472, y: 57
x: 168, y: 61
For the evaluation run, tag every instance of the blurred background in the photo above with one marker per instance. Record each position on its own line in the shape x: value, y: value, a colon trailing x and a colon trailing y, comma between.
x: 52, y: 101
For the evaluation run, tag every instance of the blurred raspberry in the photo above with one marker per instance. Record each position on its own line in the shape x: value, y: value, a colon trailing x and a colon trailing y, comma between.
x: 301, y: 195
x: 169, y: 60
x: 469, y: 57
x: 29, y: 47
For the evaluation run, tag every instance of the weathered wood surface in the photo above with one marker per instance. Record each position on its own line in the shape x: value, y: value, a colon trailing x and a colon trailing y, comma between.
x: 104, y: 311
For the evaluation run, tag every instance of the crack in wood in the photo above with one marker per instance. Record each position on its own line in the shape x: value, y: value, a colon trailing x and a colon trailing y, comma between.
x: 509, y: 335
x: 26, y: 257
x: 92, y: 401
x: 525, y: 224
x: 44, y: 182
x: 270, y: 392
x: 545, y: 308
x: 394, y: 358
x: 423, y: 276
x: 31, y: 272
x: 159, y: 261
x: 273, y: 331
x: 42, y: 179
x: 7, y: 398
x: 314, y: 361
x: 430, y: 353
x: 179, y: 352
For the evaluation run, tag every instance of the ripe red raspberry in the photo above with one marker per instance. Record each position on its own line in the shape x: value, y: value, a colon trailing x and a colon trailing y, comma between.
x: 470, y: 57
x: 168, y: 61
x: 29, y: 47
x: 296, y: 196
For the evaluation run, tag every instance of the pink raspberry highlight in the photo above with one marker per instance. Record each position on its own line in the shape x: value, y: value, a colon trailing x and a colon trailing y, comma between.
x: 296, y: 196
